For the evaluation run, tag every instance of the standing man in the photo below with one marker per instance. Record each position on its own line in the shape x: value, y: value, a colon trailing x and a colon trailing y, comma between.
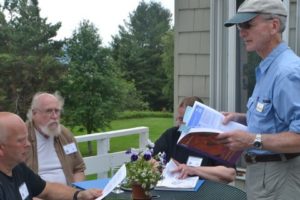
x: 54, y: 154
x: 17, y: 181
x: 273, y: 118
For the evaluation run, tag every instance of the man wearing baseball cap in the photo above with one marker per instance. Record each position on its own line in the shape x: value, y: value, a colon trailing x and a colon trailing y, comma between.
x: 272, y: 142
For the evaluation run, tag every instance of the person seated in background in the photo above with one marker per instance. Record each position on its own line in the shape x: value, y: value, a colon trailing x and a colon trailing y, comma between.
x: 54, y: 153
x: 167, y: 143
x: 17, y: 181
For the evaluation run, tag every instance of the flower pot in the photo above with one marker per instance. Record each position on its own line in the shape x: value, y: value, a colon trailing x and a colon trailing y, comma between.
x: 139, y: 193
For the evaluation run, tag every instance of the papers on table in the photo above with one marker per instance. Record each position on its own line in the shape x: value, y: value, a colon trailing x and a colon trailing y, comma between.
x: 115, y: 180
x: 171, y: 182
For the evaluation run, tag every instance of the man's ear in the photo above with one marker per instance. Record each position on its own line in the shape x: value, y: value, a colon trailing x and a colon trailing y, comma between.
x: 1, y: 149
x: 275, y: 26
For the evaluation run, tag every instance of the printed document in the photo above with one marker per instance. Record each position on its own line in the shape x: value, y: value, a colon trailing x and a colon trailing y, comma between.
x: 170, y: 179
x: 115, y: 180
x: 202, y: 116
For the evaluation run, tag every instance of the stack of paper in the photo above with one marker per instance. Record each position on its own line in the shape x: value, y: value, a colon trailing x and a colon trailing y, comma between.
x: 171, y: 182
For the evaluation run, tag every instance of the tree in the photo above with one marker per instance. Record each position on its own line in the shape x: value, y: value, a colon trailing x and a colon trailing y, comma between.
x: 137, y: 51
x: 93, y: 89
x: 28, y: 55
x: 168, y: 67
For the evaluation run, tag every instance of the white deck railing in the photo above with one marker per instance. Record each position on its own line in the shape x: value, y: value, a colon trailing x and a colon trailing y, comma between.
x: 103, y: 161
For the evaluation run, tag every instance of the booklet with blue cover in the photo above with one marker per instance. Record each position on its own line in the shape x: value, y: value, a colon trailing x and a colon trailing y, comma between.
x: 202, y: 125
x: 97, y: 184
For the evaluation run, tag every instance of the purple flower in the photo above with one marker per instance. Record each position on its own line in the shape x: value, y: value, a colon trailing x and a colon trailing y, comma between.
x: 128, y: 151
x: 134, y: 157
x: 147, y: 156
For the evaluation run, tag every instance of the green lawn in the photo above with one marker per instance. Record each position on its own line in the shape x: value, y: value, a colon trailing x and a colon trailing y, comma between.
x: 156, y: 127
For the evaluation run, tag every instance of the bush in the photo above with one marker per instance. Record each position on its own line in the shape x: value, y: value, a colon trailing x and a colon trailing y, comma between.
x: 143, y: 114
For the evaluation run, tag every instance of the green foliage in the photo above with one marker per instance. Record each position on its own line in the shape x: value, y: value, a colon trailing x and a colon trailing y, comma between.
x: 143, y: 114
x: 93, y: 87
x: 28, y: 56
x: 168, y: 67
x: 137, y: 51
x: 23, y: 76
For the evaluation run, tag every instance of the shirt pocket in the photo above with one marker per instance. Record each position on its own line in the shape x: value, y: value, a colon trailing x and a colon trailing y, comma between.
x: 261, y: 113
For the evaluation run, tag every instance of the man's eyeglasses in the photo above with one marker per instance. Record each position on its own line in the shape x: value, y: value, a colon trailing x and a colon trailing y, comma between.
x: 50, y: 111
x: 245, y: 25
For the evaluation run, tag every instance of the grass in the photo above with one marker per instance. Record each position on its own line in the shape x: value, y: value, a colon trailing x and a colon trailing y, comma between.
x: 157, y: 125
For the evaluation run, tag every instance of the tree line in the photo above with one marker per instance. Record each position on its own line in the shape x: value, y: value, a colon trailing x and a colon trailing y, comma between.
x: 135, y: 72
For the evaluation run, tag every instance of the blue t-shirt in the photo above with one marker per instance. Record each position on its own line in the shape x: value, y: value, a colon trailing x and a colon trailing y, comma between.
x: 274, y: 106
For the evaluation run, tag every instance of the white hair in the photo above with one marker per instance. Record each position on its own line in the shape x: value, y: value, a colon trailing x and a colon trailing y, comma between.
x: 35, y: 102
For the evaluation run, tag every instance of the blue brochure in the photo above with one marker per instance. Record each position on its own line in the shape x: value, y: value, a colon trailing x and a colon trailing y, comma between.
x: 98, y: 184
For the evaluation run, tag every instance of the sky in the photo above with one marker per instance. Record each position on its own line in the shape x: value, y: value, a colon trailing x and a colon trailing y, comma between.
x: 106, y: 15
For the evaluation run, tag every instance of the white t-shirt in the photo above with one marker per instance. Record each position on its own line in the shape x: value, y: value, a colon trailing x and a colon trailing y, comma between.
x: 50, y: 168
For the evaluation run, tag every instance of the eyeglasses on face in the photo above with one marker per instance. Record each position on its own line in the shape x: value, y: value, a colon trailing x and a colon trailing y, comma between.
x: 50, y: 111
x: 247, y: 25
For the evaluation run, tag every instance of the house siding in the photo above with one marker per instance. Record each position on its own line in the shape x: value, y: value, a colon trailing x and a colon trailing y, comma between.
x: 192, y: 43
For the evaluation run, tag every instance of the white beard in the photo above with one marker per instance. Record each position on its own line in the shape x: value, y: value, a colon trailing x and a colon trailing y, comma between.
x: 47, y: 130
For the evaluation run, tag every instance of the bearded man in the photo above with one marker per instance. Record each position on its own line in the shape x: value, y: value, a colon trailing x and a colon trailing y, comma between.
x: 54, y: 153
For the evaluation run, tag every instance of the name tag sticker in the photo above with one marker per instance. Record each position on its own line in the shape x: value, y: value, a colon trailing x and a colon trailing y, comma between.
x: 260, y: 107
x: 194, y: 161
x: 23, y: 191
x: 70, y: 148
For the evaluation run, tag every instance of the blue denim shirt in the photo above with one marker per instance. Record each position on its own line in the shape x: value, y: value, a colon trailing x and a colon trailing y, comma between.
x: 274, y: 106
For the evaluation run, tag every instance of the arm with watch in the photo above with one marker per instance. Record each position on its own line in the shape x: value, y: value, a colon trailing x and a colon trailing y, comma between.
x: 285, y: 142
x: 63, y: 192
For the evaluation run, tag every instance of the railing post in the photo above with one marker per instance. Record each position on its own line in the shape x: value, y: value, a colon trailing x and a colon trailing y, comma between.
x: 143, y: 139
x: 103, y: 147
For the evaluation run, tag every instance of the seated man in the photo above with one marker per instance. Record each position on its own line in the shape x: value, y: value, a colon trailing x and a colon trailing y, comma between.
x: 53, y: 154
x: 17, y: 181
x: 167, y: 143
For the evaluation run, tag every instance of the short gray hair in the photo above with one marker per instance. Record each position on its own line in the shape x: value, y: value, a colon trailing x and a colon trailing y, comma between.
x: 281, y: 18
x: 35, y: 102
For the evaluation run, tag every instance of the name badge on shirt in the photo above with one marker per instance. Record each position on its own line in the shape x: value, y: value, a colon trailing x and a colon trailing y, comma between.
x: 23, y: 191
x: 260, y: 107
x: 70, y: 148
x: 194, y: 161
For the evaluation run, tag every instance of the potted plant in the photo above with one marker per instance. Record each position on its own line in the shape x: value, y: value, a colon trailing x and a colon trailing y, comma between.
x: 143, y: 172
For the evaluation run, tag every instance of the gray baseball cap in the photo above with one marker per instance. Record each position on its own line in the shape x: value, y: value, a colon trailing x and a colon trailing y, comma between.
x: 251, y: 8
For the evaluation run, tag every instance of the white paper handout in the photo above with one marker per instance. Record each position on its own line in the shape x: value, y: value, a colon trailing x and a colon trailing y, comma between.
x: 115, y: 180
x: 170, y: 179
x: 205, y: 117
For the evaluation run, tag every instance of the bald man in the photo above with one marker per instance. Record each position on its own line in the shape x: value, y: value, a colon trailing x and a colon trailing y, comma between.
x: 17, y: 181
x: 54, y: 153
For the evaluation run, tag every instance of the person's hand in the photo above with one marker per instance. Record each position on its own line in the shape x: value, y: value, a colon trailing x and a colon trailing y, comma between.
x: 89, y: 194
x: 233, y: 116
x: 236, y: 140
x: 183, y: 170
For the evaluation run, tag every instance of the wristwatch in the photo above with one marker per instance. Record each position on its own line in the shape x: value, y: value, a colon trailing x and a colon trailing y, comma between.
x: 76, y: 195
x: 258, y: 141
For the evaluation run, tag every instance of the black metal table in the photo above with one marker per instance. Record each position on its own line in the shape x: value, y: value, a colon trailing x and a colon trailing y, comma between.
x: 208, y: 191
